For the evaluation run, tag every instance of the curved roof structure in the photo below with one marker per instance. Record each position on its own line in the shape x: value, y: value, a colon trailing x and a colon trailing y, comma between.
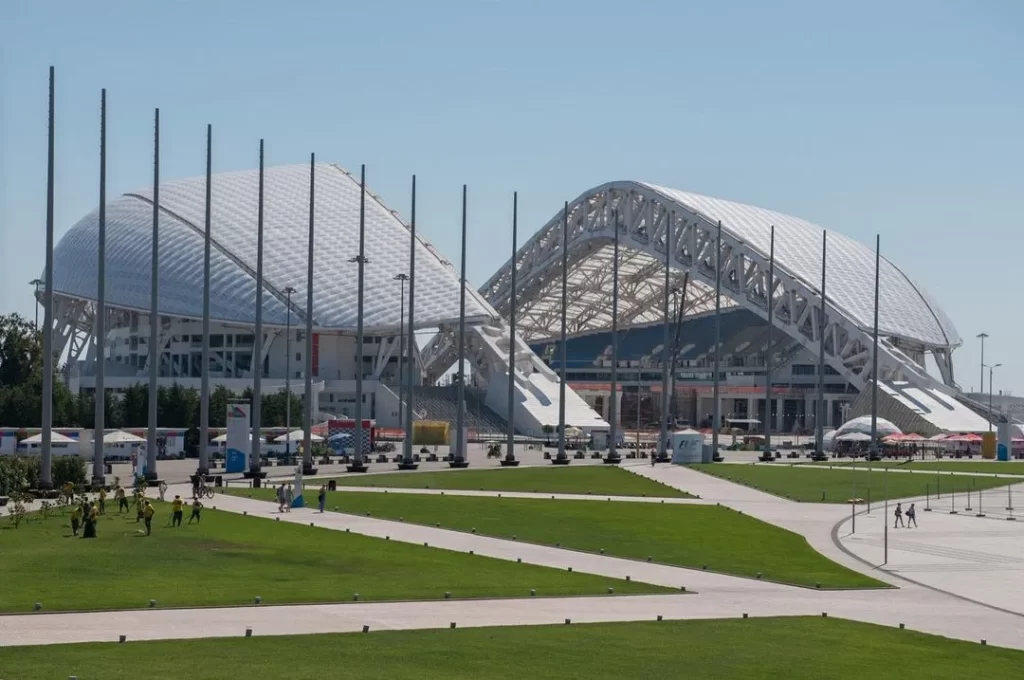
x: 654, y: 223
x: 233, y: 253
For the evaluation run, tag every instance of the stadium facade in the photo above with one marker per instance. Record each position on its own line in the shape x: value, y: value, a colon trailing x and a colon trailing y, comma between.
x: 654, y: 224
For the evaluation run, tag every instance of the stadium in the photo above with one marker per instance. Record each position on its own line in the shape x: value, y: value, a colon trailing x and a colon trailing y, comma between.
x: 654, y: 224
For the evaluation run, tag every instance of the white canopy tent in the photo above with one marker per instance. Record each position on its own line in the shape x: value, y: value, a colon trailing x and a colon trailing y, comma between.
x: 55, y: 438
x: 298, y: 436
x: 122, y: 437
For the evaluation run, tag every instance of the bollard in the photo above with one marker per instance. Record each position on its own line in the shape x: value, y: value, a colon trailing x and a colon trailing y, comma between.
x: 744, y: 615
x: 984, y: 642
x: 659, y: 617
x: 611, y: 591
x: 277, y: 519
x: 245, y: 512
x: 519, y: 560
x: 367, y: 514
x: 817, y: 585
x: 452, y: 625
x: 704, y: 567
x: 447, y: 596
x: 682, y: 589
x: 570, y: 569
x: 366, y: 629
x: 981, y: 511
x: 152, y: 603
x: 557, y: 544
x: 824, y: 615
x: 347, y: 530
x: 473, y: 530
x: 248, y: 632
x: 649, y: 558
x: 628, y: 578
x: 602, y: 551
x: 122, y: 638
x: 902, y: 626
x: 471, y: 552
x: 533, y: 592
x: 355, y: 597
x: 310, y: 524
x: 513, y: 537
x: 257, y: 600
x: 759, y: 574
x: 387, y: 538
x: 438, y: 525
x: 568, y: 621
x: 425, y: 544
x: 927, y: 498
x: 37, y: 606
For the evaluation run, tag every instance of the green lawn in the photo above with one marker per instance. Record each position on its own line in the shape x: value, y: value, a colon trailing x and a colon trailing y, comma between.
x: 1012, y: 467
x: 683, y: 535
x: 230, y: 559
x: 735, y: 649
x: 838, y: 485
x: 601, y: 480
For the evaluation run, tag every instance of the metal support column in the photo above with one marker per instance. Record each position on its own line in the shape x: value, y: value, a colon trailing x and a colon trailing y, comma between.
x: 613, y: 409
x: 358, y: 465
x: 769, y: 292
x: 562, y: 352
x: 407, y: 459
x: 46, y: 453
x: 154, y: 311
x: 204, y: 391
x: 257, y: 349
x: 510, y: 456
x: 819, y: 410
x: 459, y: 454
x: 716, y: 421
x: 307, y: 404
x: 99, y: 427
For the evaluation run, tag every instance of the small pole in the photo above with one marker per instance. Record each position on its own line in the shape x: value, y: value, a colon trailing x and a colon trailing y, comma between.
x: 1009, y: 499
x: 952, y: 501
x: 885, y: 517
x: 968, y: 508
x: 981, y: 511
x: 927, y: 497
x: 853, y: 515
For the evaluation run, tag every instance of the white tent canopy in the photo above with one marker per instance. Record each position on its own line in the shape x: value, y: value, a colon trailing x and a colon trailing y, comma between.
x: 853, y: 437
x: 298, y: 436
x: 55, y: 438
x: 122, y: 437
x: 220, y: 439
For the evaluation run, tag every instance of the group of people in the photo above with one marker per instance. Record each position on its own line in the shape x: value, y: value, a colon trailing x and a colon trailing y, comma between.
x: 285, y: 496
x: 84, y: 514
x: 911, y: 516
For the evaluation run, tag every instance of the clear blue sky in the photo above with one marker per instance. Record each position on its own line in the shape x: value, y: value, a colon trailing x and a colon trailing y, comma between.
x: 903, y: 118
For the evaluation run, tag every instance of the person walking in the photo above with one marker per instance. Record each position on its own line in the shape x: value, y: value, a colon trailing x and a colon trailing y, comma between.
x: 103, y: 501
x: 321, y: 498
x: 289, y: 496
x: 122, y: 502
x: 163, y: 489
x: 177, y: 508
x: 899, y: 516
x: 76, y: 519
x: 196, y: 508
x: 140, y: 503
x: 911, y: 516
x: 147, y: 512
x: 280, y: 498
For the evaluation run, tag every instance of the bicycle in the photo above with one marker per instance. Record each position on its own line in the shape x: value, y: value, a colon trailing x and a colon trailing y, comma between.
x: 205, y: 490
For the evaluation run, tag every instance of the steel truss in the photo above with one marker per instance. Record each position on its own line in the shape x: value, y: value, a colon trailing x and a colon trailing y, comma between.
x: 651, y: 222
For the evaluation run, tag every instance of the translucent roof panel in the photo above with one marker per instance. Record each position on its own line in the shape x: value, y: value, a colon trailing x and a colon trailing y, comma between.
x: 905, y: 309
x: 286, y: 221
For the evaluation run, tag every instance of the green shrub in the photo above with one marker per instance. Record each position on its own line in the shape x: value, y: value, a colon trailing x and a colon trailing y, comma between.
x: 23, y: 472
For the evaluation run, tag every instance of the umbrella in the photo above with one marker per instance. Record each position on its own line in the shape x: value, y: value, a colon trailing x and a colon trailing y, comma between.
x: 122, y: 437
x: 55, y: 438
x: 298, y: 436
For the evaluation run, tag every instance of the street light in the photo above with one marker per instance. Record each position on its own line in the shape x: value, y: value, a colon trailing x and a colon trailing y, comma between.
x: 990, y: 370
x: 36, y: 283
x: 981, y: 385
x: 288, y: 376
x: 401, y: 278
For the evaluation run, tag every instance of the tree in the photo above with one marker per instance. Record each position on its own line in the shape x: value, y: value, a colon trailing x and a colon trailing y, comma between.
x: 135, y: 406
x: 219, y: 399
x: 21, y: 377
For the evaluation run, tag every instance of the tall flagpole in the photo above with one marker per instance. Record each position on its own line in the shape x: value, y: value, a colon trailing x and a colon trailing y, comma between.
x: 770, y: 300
x: 613, y: 411
x: 716, y: 422
x: 459, y: 457
x: 819, y: 419
x: 408, y: 463
x: 669, y: 235
x: 257, y: 349
x: 46, y: 457
x: 307, y: 407
x: 510, y: 445
x: 204, y: 388
x: 874, y: 356
x: 358, y: 464
x: 562, y: 360
x: 99, y: 427
x: 154, y: 311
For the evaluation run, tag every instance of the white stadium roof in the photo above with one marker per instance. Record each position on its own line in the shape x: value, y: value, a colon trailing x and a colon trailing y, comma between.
x: 233, y: 277
x: 904, y: 309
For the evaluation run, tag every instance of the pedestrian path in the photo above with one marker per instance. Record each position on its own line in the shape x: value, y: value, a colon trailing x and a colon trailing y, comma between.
x: 918, y: 608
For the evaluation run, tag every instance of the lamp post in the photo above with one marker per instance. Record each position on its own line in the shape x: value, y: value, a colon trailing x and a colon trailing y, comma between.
x: 36, y: 283
x: 981, y: 383
x: 288, y: 374
x: 990, y: 368
x: 401, y: 278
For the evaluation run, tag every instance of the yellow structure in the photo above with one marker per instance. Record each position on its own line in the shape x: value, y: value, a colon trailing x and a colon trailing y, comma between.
x: 427, y: 432
x: 988, y: 445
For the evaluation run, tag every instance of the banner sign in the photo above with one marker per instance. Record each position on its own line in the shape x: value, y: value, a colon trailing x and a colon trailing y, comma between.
x: 239, y: 440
